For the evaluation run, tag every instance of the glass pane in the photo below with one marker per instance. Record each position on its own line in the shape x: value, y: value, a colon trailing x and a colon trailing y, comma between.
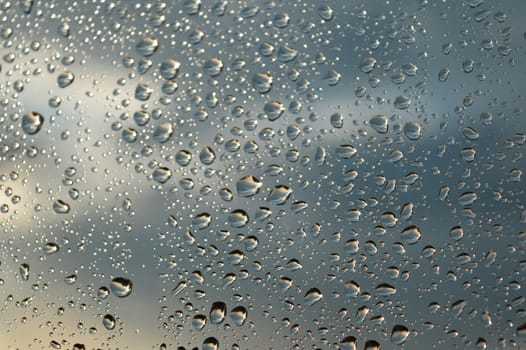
x: 241, y: 174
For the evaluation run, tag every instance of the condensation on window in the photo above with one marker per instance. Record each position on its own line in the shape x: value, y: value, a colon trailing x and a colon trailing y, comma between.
x: 242, y: 174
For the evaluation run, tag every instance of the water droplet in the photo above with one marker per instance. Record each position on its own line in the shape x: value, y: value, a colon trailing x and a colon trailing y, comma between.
x: 183, y: 157
x: 213, y: 67
x: 273, y: 110
x: 411, y: 234
x: 143, y: 92
x: 468, y: 65
x: 199, y: 322
x: 402, y: 102
x: 262, y: 82
x: 412, y: 130
x: 24, y: 271
x: 345, y: 151
x: 367, y: 64
x: 108, y: 321
x: 467, y: 198
x: 147, y: 46
x: 192, y: 7
x: 380, y: 123
x: 238, y: 218
x: 32, y: 122
x: 248, y: 186
x: 456, y: 233
x: 71, y: 279
x: 161, y: 175
x: 121, y: 287
x: 103, y: 292
x: 385, y: 290
x: 349, y: 343
x: 333, y: 77
x: 399, y: 334
x: 202, y: 221
x: 210, y: 343
x: 217, y: 312
x: 279, y: 195
x: 65, y: 79
x: 207, y: 155
x: 312, y: 296
x: 471, y: 133
x: 521, y: 332
x: 326, y: 12
x: 61, y: 207
x: 286, y: 53
x: 443, y: 74
x: 238, y: 315
x: 141, y: 118
x: 372, y: 345
x: 457, y: 308
x: 352, y: 288
x: 410, y: 69
x: 163, y: 132
x: 179, y: 288
x: 51, y: 248
x: 361, y: 315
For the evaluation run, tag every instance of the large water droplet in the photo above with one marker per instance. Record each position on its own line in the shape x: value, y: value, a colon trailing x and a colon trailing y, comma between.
x: 411, y: 234
x: 109, y: 322
x: 32, y: 122
x: 65, y: 79
x: 399, y: 334
x: 217, y: 312
x: 121, y: 287
x: 147, y: 46
x: 61, y: 207
x: 262, y: 82
x: 380, y: 123
x: 238, y: 315
x: 248, y: 186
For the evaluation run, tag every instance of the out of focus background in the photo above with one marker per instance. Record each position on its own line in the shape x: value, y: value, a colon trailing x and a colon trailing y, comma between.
x: 262, y: 174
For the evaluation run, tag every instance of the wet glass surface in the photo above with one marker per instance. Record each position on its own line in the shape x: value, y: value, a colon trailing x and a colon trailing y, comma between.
x: 262, y: 174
